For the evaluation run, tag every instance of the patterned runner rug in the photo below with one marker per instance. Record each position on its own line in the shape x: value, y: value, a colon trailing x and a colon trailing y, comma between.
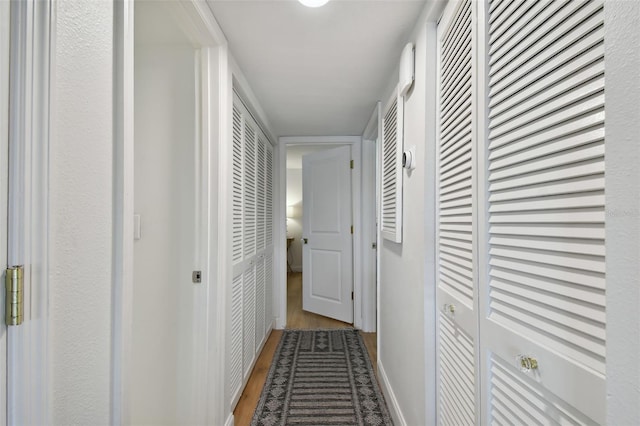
x: 321, y: 377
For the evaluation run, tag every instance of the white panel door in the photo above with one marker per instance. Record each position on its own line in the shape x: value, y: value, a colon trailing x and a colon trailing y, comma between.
x: 457, y: 220
x: 543, y: 305
x: 327, y: 271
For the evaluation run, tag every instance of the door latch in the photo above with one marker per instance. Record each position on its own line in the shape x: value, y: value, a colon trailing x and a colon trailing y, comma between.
x: 304, y: 240
x: 196, y: 277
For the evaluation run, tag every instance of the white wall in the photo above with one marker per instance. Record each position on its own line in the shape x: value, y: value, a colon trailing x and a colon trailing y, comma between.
x: 294, y: 223
x: 622, y: 177
x: 81, y: 223
x: 402, y: 266
x: 164, y: 257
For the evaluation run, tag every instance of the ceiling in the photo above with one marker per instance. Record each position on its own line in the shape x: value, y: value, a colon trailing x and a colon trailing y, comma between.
x: 317, y: 71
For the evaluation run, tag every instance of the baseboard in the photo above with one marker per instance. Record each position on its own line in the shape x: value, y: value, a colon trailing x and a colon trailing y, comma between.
x: 390, y: 397
x: 230, y: 420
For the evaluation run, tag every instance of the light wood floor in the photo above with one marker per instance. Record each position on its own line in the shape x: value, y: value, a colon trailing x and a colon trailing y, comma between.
x: 296, y: 319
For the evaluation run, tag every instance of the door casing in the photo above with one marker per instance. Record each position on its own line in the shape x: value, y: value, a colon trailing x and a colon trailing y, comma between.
x: 215, y: 99
x: 361, y: 320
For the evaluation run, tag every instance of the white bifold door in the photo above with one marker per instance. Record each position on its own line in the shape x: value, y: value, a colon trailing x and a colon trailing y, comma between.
x: 457, y: 234
x: 521, y: 283
x: 250, y: 317
x: 327, y: 268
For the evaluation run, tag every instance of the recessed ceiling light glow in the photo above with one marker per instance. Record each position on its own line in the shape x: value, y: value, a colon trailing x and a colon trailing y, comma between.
x: 314, y: 3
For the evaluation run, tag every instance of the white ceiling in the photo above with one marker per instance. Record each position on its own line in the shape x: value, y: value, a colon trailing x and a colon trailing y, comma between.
x: 317, y: 72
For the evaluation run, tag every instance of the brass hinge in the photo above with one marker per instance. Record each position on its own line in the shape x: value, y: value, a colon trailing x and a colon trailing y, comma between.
x: 352, y: 229
x: 14, y: 296
x: 351, y: 164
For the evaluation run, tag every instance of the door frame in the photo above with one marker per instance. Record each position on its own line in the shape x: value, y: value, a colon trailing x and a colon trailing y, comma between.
x: 372, y: 133
x: 5, y: 32
x: 32, y: 41
x: 212, y: 111
x: 280, y: 284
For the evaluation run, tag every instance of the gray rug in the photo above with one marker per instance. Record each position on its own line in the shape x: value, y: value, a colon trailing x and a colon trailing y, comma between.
x: 321, y: 377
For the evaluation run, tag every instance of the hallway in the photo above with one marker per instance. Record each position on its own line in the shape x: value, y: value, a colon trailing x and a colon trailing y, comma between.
x: 296, y: 319
x: 146, y: 219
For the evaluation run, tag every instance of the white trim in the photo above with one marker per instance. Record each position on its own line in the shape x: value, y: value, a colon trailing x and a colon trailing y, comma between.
x: 390, y: 397
x: 370, y: 299
x: 371, y: 131
x: 622, y: 209
x: 480, y: 105
x: 430, y: 229
x: 230, y: 420
x: 122, y: 209
x: 28, y: 213
x: 221, y: 239
x: 5, y: 34
x: 280, y: 200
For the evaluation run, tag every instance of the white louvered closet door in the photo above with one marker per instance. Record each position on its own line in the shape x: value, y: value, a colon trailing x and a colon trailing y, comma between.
x: 456, y: 235
x: 250, y: 309
x: 391, y: 186
x: 544, y: 298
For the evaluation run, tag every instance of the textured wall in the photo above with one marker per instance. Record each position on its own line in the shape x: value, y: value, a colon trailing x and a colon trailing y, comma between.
x: 622, y: 175
x: 165, y: 189
x: 81, y: 196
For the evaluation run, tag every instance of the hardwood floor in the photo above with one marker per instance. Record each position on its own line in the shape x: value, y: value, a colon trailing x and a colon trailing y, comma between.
x: 297, y: 319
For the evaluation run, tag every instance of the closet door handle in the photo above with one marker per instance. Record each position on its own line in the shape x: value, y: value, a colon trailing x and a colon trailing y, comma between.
x: 449, y: 308
x: 526, y: 363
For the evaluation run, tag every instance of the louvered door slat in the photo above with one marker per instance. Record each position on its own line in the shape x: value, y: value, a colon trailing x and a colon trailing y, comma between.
x: 457, y: 390
x: 545, y: 206
x: 269, y: 196
x: 531, y: 398
x: 261, y: 207
x: 237, y: 237
x: 454, y: 112
x: 574, y: 88
x: 588, y: 292
x: 250, y: 228
x: 248, y: 319
x: 540, y: 45
x: 583, y: 41
x: 260, y: 300
x: 581, y: 68
x: 235, y: 363
x: 515, y: 11
x: 269, y: 289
